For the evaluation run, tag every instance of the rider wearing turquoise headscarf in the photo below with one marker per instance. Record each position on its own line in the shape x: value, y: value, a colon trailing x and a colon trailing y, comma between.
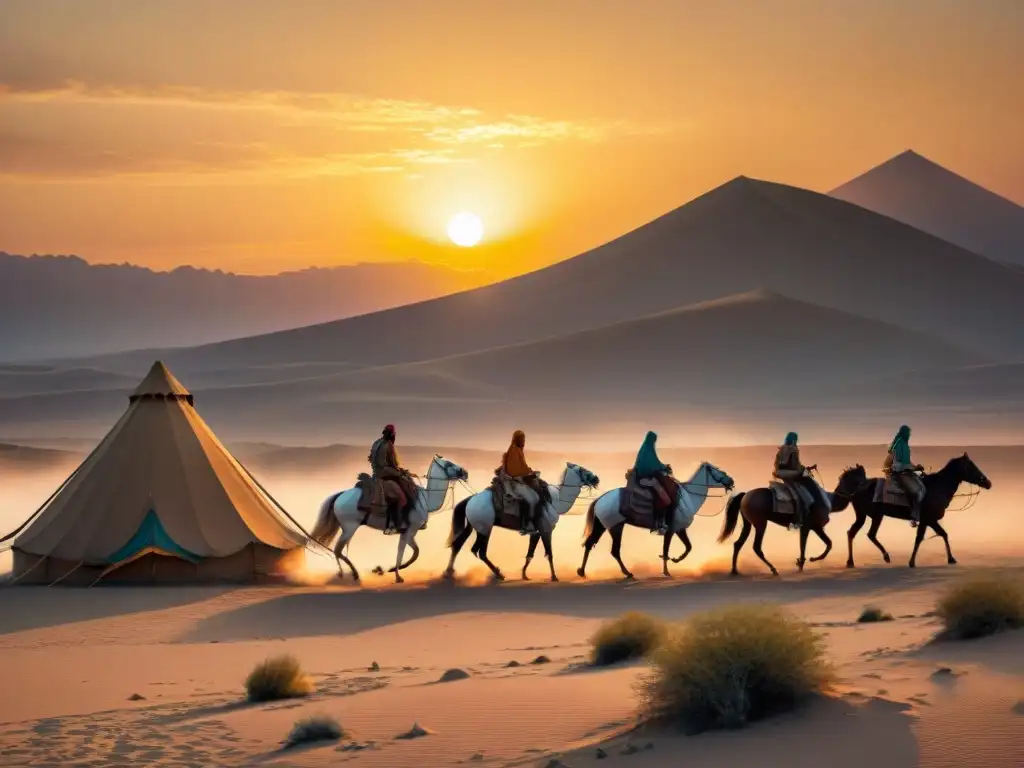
x: 791, y: 471
x: 900, y: 467
x: 649, y: 467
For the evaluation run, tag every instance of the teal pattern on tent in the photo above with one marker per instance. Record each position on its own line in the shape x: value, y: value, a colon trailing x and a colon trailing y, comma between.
x: 151, y: 534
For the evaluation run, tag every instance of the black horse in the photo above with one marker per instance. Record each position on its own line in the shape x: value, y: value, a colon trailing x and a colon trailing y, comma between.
x: 940, y: 487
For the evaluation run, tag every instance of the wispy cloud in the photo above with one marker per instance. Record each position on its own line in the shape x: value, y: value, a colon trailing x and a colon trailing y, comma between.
x: 351, y: 134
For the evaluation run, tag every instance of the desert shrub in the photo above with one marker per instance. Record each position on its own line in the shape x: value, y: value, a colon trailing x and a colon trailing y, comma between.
x: 872, y: 614
x: 280, y: 677
x: 725, y: 668
x: 981, y: 606
x: 310, y: 730
x: 630, y: 636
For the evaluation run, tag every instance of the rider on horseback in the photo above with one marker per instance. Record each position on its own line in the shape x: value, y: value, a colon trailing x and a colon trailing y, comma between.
x: 513, y: 464
x: 899, y: 467
x: 649, y: 467
x: 795, y: 476
x: 384, y: 461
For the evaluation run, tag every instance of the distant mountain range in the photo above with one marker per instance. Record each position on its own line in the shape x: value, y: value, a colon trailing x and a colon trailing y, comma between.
x: 61, y: 306
x: 749, y: 310
x: 914, y: 190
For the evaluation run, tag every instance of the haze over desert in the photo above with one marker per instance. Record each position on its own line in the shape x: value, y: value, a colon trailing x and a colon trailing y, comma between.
x: 517, y: 385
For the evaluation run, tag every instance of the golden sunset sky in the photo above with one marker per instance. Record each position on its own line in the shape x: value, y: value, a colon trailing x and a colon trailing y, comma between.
x: 259, y: 136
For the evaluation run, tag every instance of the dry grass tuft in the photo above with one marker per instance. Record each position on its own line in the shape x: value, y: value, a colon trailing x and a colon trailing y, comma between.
x: 311, y: 730
x: 873, y: 614
x: 728, y: 667
x: 980, y: 606
x: 280, y: 677
x: 631, y: 636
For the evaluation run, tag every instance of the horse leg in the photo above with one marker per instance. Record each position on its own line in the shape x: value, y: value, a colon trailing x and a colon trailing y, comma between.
x: 457, y: 545
x: 664, y: 553
x: 758, y: 541
x: 415, y: 556
x: 876, y: 523
x: 595, y: 536
x: 945, y: 540
x: 616, y: 533
x: 852, y: 533
x: 481, y: 552
x: 685, y: 538
x: 339, y: 553
x: 738, y: 545
x: 828, y: 545
x: 530, y: 552
x: 804, y: 531
x: 549, y: 552
x: 407, y: 536
x: 917, y: 543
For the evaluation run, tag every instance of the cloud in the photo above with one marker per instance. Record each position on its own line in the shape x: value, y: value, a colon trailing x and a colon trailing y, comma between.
x: 188, y: 130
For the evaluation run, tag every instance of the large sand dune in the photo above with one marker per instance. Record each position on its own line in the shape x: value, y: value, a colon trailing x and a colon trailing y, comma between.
x: 913, y: 189
x: 744, y: 235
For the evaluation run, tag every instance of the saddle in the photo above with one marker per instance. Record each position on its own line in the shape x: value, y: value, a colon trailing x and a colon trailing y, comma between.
x: 636, y: 500
x: 506, y: 504
x: 889, y: 491
x: 786, y: 499
x: 375, y: 496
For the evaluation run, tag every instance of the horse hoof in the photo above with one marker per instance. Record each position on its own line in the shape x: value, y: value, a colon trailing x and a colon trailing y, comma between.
x: 849, y: 564
x: 499, y: 577
x: 629, y: 577
x: 581, y: 573
x: 887, y: 558
x: 774, y: 572
x: 448, y: 574
x: 554, y: 579
x: 951, y: 561
x: 399, y: 580
x: 911, y: 564
x: 525, y: 577
x: 378, y: 571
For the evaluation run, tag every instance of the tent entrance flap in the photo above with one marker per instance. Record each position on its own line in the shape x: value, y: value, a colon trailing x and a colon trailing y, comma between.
x: 150, y: 538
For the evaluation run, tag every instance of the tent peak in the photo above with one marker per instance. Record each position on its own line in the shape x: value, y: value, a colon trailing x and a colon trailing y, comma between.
x: 160, y: 384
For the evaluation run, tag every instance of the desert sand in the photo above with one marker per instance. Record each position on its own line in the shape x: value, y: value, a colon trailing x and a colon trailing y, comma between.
x: 154, y: 676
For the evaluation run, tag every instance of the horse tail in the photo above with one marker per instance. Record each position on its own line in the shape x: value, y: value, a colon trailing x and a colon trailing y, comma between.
x: 588, y: 528
x: 327, y: 524
x: 458, y: 522
x: 732, y: 516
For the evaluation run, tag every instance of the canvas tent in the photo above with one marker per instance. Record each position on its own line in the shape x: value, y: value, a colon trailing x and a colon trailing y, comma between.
x: 159, y: 500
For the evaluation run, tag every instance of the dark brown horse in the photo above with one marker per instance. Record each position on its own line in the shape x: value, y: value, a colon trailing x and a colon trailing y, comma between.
x: 758, y: 509
x: 940, y: 488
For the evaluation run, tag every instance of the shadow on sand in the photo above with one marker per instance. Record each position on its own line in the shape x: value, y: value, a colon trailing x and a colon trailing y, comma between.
x: 341, y: 613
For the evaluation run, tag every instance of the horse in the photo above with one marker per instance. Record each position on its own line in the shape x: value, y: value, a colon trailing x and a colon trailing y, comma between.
x: 476, y: 513
x: 605, y: 514
x: 758, y: 509
x: 340, y: 511
x: 940, y: 489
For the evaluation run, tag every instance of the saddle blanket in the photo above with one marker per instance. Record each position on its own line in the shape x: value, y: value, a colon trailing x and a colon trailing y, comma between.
x: 888, y: 491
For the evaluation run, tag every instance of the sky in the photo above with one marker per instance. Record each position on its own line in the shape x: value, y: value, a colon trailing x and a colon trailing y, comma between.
x: 258, y: 136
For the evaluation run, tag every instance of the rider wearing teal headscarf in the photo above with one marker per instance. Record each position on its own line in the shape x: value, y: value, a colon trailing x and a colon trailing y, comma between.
x: 649, y: 467
x: 901, y: 468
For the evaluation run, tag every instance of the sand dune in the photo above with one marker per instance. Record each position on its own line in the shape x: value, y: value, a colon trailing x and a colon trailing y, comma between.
x: 154, y: 676
x: 913, y: 189
x: 741, y: 236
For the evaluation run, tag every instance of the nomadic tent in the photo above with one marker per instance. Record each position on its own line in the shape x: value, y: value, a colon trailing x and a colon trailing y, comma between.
x: 159, y: 500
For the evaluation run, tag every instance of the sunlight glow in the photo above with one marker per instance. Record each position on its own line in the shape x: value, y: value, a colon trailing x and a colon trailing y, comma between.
x: 465, y: 229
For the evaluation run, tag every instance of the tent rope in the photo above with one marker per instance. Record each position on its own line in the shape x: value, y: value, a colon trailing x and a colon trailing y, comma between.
x: 21, y: 575
x: 59, y: 579
x: 284, y: 511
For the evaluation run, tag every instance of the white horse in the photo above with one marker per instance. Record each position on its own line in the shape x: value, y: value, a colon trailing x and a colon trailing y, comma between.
x: 477, y: 514
x: 604, y: 514
x: 340, y: 511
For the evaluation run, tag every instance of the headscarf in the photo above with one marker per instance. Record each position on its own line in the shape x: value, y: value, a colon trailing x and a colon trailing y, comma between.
x: 647, y: 461
x: 791, y: 438
x: 514, y: 460
x: 389, y: 434
x: 903, y: 435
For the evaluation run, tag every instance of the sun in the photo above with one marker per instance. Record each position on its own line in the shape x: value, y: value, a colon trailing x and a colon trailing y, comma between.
x: 465, y: 229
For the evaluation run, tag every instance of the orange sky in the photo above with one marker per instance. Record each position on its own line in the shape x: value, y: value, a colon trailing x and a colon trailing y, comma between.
x: 258, y: 136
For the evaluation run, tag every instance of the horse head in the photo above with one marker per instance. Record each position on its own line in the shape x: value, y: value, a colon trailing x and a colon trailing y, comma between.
x: 714, y: 477
x: 580, y: 476
x: 449, y: 469
x: 850, y: 481
x: 967, y: 471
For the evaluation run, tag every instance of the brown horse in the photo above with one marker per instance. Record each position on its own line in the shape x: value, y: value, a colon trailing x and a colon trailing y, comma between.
x: 758, y: 509
x: 940, y: 488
